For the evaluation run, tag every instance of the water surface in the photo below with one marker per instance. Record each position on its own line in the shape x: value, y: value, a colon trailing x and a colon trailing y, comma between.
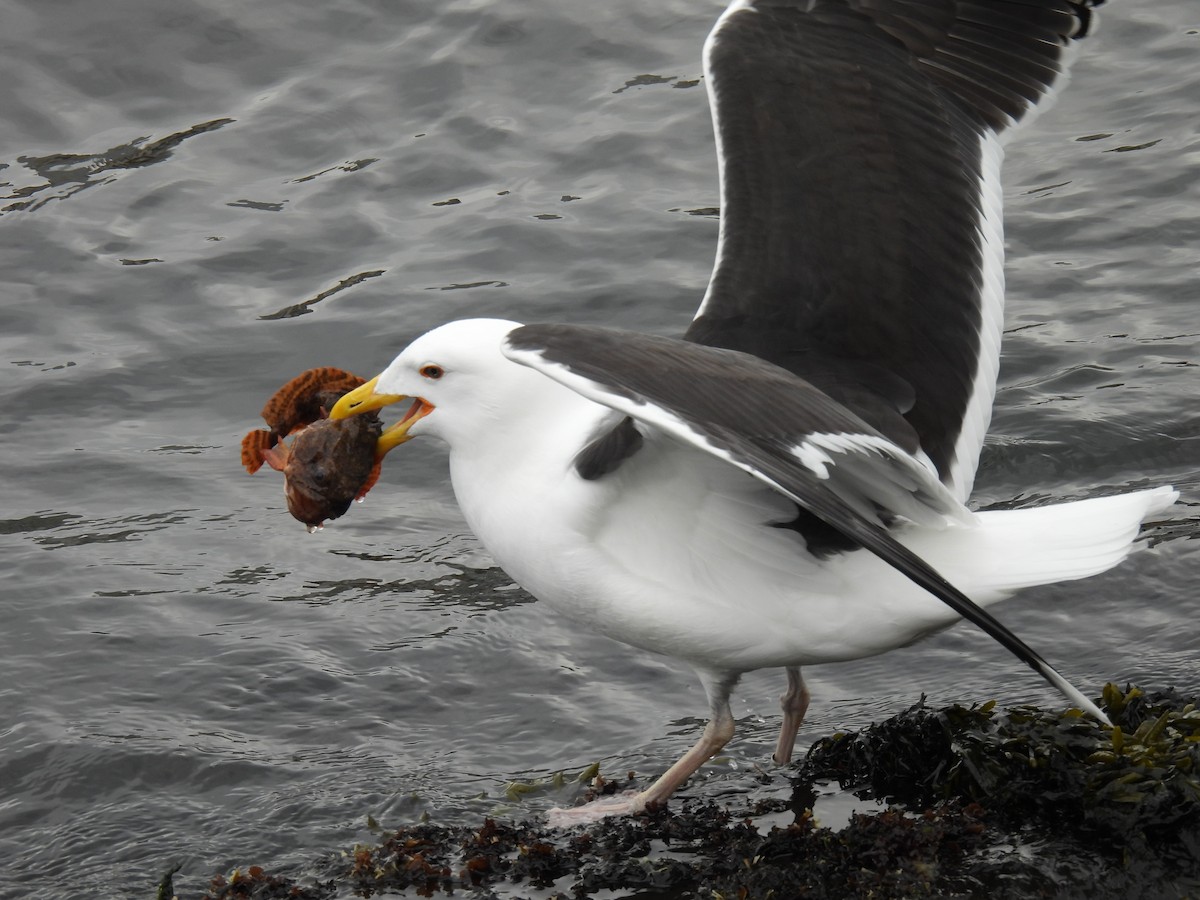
x: 186, y: 674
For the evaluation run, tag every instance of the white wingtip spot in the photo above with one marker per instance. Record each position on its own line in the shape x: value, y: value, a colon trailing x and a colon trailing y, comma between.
x: 813, y: 458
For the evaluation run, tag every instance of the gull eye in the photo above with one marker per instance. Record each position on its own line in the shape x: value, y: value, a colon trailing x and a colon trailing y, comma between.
x: 432, y: 372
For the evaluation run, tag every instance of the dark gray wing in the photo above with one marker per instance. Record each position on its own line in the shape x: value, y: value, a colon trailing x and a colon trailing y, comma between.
x: 773, y: 425
x: 861, y: 240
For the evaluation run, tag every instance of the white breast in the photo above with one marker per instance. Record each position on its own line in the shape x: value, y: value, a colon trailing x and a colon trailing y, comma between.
x: 675, y: 553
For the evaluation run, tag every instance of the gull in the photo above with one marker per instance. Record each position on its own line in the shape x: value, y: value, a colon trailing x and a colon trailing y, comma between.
x: 787, y: 483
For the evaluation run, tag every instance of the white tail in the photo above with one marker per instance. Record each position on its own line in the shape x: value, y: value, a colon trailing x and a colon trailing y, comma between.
x: 1019, y: 548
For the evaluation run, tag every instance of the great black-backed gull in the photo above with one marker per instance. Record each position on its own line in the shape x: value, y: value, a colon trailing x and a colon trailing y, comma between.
x: 786, y: 484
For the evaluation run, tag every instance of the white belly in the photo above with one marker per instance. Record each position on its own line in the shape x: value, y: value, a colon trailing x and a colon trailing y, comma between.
x: 675, y: 553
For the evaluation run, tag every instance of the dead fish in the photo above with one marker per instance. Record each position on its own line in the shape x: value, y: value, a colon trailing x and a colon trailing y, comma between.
x: 329, y: 463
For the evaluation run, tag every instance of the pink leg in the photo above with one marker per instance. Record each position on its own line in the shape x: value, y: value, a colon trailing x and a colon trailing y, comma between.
x: 716, y: 735
x: 794, y: 704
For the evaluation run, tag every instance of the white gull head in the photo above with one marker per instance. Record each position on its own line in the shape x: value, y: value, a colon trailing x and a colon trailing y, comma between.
x: 475, y: 396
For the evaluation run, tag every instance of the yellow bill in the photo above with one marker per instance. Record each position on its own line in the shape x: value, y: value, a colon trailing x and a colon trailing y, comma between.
x: 365, y: 399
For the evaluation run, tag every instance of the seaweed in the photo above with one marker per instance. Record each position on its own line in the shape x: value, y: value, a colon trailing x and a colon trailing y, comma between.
x: 254, y: 883
x: 1131, y: 788
x: 984, y: 803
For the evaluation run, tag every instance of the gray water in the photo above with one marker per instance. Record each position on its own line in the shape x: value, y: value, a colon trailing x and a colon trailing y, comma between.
x: 186, y: 674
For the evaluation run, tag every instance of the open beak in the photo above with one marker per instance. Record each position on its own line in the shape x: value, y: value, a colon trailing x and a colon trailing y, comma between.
x: 364, y: 399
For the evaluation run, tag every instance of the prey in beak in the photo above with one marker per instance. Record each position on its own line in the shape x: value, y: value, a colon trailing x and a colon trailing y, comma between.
x: 365, y: 399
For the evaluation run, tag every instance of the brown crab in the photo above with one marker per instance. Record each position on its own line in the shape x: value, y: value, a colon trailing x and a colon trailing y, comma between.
x: 329, y: 463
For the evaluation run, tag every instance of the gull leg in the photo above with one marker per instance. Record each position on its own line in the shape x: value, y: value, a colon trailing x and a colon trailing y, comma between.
x: 794, y: 703
x: 716, y: 735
